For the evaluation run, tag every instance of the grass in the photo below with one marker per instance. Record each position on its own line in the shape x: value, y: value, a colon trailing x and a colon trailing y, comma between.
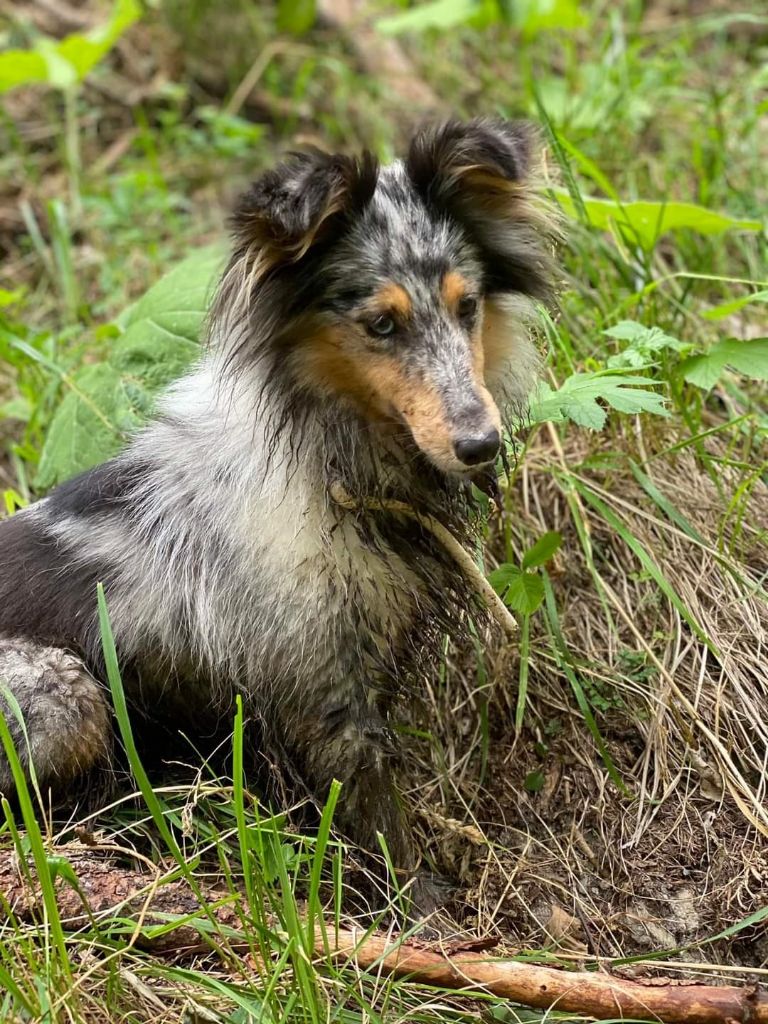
x: 599, y: 791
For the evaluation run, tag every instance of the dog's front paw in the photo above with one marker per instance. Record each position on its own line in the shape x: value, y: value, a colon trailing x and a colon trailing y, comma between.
x: 428, y: 896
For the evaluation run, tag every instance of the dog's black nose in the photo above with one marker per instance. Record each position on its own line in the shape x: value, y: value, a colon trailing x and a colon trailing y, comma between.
x: 474, y: 450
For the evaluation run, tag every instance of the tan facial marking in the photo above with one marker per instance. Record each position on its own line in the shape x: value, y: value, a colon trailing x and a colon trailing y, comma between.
x: 417, y: 403
x: 393, y: 298
x: 453, y: 289
x: 340, y: 361
x: 500, y: 339
x: 479, y: 363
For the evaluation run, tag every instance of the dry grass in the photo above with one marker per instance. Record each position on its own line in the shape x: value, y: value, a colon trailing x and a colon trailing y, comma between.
x: 685, y: 850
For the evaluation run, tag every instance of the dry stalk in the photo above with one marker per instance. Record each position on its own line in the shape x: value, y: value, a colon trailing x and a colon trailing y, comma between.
x: 485, y: 591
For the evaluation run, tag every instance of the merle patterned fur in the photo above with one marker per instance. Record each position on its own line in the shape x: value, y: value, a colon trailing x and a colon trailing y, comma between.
x: 227, y: 567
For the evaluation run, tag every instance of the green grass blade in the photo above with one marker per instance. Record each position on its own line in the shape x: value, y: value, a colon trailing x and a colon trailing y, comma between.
x: 522, y: 684
x: 314, y: 907
x: 562, y: 658
x: 647, y: 562
x: 666, y: 506
x: 36, y: 843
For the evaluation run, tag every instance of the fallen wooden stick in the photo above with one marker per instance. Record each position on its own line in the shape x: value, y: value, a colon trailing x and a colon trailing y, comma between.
x: 593, y: 994
x: 108, y: 889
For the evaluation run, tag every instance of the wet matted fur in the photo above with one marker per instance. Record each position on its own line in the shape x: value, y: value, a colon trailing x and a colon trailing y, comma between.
x: 371, y: 328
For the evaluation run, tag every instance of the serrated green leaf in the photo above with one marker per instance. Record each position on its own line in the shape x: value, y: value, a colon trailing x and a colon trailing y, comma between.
x: 577, y: 398
x: 645, y: 343
x: 521, y: 591
x: 585, y: 413
x: 749, y: 358
x: 703, y: 371
x: 544, y: 548
x: 644, y: 222
x: 626, y: 330
x: 501, y: 578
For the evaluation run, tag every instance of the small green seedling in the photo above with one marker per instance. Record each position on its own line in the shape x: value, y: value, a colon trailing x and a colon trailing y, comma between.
x: 521, y: 588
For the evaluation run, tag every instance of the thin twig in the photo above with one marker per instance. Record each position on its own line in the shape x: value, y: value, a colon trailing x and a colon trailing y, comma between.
x: 473, y: 575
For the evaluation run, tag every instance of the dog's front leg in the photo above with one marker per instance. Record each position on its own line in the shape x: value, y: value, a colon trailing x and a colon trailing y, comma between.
x: 349, y: 740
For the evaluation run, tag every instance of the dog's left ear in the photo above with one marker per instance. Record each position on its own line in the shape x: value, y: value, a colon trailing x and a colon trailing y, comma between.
x: 295, y: 204
x: 476, y: 172
x: 450, y: 161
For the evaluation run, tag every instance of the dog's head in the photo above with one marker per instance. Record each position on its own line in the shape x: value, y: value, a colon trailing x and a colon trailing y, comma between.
x: 388, y: 288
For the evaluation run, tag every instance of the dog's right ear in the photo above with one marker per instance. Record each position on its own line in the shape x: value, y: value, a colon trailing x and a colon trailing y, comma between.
x: 294, y: 205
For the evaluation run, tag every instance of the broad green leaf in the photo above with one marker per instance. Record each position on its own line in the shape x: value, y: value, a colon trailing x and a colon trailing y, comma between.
x: 578, y: 399
x: 644, y: 221
x: 535, y: 16
x: 89, y: 426
x: 17, y: 408
x: 530, y: 17
x: 162, y: 329
x: 501, y: 578
x: 525, y: 593
x: 544, y: 548
x: 704, y: 371
x: 184, y: 292
x: 521, y: 591
x: 749, y: 358
x: 727, y: 308
x: 534, y: 781
x: 58, y: 71
x: 21, y: 67
x: 107, y: 401
x: 296, y: 16
x: 439, y: 14
x: 8, y: 298
x: 84, y: 51
x: 63, y: 63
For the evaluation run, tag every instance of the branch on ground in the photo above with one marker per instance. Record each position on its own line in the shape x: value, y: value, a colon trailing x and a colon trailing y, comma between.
x: 105, y: 892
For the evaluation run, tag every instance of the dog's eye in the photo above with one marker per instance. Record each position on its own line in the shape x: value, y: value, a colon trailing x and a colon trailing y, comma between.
x: 467, y: 308
x: 382, y: 326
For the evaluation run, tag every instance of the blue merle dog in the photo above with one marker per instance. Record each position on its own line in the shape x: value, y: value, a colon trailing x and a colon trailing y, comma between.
x: 371, y: 329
